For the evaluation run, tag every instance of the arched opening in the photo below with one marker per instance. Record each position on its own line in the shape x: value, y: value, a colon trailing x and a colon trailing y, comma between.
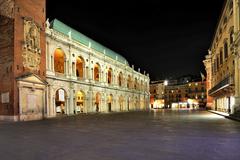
x: 135, y: 83
x: 110, y: 99
x: 80, y: 98
x: 128, y: 103
x: 79, y: 67
x: 121, y: 103
x: 60, y: 101
x: 59, y: 61
x: 97, y: 101
x: 109, y: 76
x: 120, y: 79
x: 136, y: 103
x: 142, y: 103
x: 129, y: 82
x: 96, y: 72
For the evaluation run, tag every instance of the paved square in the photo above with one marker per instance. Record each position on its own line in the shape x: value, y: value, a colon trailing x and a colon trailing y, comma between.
x: 166, y: 135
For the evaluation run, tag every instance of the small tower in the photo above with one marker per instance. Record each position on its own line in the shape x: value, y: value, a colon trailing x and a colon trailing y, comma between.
x: 22, y: 62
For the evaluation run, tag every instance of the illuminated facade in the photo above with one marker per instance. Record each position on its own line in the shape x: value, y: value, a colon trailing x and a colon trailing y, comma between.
x: 188, y: 95
x: 50, y: 69
x: 89, y: 76
x: 157, y: 89
x: 178, y: 95
x: 222, y: 62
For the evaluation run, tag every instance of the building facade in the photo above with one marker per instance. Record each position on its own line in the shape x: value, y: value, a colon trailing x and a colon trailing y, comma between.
x: 222, y: 61
x: 50, y: 69
x: 178, y: 94
x: 91, y: 77
x: 188, y: 95
x: 157, y: 89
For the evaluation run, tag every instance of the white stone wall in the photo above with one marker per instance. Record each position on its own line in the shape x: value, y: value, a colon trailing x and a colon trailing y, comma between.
x: 136, y: 99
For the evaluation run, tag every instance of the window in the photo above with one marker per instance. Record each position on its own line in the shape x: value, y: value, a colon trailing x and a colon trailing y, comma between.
x: 79, y: 67
x: 217, y: 62
x: 226, y: 50
x: 109, y: 76
x: 120, y: 79
x: 221, y: 57
x: 59, y: 61
x: 96, y: 72
x: 231, y: 36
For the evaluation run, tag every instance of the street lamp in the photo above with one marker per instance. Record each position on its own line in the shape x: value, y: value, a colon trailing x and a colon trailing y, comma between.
x: 165, y: 83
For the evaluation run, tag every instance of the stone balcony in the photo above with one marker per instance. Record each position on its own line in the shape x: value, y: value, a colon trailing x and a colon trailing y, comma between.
x: 225, y: 86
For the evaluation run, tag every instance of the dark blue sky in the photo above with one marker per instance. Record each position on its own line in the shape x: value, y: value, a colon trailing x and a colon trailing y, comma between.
x: 165, y: 38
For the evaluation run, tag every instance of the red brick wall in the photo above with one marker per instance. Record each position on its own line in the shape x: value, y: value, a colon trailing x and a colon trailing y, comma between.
x: 11, y: 65
x: 35, y: 9
x: 6, y: 62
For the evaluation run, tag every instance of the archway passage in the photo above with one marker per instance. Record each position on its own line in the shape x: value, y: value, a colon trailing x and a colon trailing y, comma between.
x: 97, y: 72
x: 80, y: 97
x: 128, y: 103
x: 59, y: 61
x: 60, y: 101
x: 121, y: 103
x: 97, y: 101
x: 136, y: 103
x: 79, y: 67
x: 110, y: 99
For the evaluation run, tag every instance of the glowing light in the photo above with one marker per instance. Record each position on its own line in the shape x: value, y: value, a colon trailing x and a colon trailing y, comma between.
x: 165, y: 83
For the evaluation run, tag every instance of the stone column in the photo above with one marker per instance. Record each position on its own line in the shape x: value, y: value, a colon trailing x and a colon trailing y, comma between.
x: 53, y: 105
x: 52, y: 64
x: 71, y: 102
x: 89, y: 101
x: 67, y: 106
x: 65, y: 66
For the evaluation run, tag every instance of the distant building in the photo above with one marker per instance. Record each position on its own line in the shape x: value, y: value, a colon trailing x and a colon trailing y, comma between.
x: 181, y: 93
x: 188, y: 95
x: 157, y: 89
x: 222, y: 61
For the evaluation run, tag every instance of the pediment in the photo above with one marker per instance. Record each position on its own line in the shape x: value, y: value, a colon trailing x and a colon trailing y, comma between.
x: 32, y: 78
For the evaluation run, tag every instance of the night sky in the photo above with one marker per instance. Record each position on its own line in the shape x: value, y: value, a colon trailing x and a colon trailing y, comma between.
x: 165, y: 38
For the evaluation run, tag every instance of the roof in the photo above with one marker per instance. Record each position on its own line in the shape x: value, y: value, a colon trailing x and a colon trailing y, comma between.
x: 81, y: 38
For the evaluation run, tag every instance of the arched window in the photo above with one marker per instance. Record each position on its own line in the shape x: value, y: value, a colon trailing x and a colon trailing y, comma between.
x: 226, y: 49
x: 120, y: 79
x: 135, y: 84
x: 129, y: 82
x: 59, y: 61
x: 109, y: 76
x: 79, y: 67
x: 96, y: 72
x: 221, y: 56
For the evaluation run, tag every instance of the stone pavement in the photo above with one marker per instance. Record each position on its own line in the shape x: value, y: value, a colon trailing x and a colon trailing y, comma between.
x: 156, y: 135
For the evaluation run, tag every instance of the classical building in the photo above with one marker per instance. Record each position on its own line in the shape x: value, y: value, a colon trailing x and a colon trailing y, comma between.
x: 50, y: 69
x: 222, y: 62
